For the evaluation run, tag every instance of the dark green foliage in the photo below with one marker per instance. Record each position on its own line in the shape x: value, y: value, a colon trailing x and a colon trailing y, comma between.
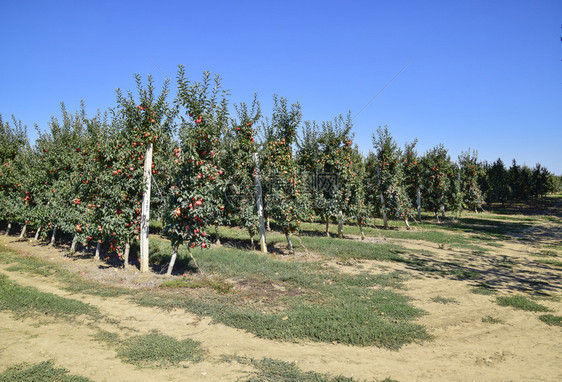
x: 388, y: 165
x: 39, y: 372
x: 440, y: 189
x: 196, y: 199
x: 470, y: 171
x: 238, y: 161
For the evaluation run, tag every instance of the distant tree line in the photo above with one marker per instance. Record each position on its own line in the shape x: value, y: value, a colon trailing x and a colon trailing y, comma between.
x: 516, y: 183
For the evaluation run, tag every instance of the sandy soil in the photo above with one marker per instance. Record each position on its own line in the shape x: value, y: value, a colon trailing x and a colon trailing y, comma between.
x: 464, y: 348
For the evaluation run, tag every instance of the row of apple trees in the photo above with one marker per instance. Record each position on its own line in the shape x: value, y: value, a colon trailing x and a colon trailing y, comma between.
x: 198, y: 162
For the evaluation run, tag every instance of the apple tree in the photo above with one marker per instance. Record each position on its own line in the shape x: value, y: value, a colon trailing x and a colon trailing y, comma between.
x: 196, y: 198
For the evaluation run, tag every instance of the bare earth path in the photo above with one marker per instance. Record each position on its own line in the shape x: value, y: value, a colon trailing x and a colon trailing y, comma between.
x: 464, y: 348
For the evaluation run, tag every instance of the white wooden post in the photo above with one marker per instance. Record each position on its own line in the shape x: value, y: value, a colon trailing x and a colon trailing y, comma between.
x: 340, y: 224
x: 172, y: 260
x: 53, y: 236
x: 418, y: 197
x: 23, y: 231
x: 145, y: 214
x: 383, y: 205
x: 259, y: 202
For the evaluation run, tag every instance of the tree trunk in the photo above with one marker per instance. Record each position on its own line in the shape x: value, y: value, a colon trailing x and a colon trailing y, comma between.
x: 291, y: 251
x: 268, y: 227
x: 37, y: 233
x: 361, y: 229
x: 384, y: 218
x: 340, y: 224
x: 327, y: 219
x: 418, y: 197
x: 53, y: 236
x: 8, y: 229
x: 173, y: 260
x: 73, y: 246
x: 23, y: 231
x: 218, y: 241
x: 98, y: 250
x: 145, y: 216
x: 126, y: 254
x: 259, y: 202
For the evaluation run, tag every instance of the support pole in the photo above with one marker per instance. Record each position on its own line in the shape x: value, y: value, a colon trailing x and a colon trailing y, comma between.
x: 259, y: 202
x: 145, y: 216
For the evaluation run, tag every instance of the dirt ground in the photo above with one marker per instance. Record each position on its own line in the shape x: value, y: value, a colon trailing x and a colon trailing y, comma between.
x: 464, y: 348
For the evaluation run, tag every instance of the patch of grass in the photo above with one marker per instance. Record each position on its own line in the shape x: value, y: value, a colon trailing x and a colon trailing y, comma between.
x: 522, y: 303
x: 217, y: 284
x: 73, y: 282
x: 106, y: 337
x: 547, y: 252
x: 557, y: 245
x: 294, y: 300
x: 158, y: 350
x: 39, y: 372
x: 444, y: 300
x: 286, y: 299
x: 330, y: 313
x: 484, y: 289
x: 554, y: 263
x: 273, y: 370
x: 491, y: 320
x: 546, y: 296
x: 25, y: 301
x: 345, y: 249
x: 551, y: 319
x: 505, y: 262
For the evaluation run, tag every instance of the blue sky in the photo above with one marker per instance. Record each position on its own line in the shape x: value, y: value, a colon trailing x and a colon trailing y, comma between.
x: 484, y: 75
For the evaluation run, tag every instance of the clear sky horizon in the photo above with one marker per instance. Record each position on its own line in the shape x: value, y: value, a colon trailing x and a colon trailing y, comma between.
x: 482, y: 75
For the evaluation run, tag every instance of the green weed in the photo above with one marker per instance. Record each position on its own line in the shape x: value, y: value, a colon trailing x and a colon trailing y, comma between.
x: 484, y: 289
x: 158, y: 350
x: 491, y: 320
x: 551, y: 319
x: 273, y: 370
x: 39, y: 372
x: 217, y: 284
x: 522, y: 303
x: 554, y: 263
x: 444, y: 300
x: 73, y: 283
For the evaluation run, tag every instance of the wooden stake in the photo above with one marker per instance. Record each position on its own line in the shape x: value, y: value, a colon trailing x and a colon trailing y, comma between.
x: 173, y: 260
x: 259, y: 202
x: 145, y: 216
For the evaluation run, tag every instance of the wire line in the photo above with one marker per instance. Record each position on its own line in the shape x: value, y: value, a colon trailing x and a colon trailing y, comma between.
x: 384, y: 87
